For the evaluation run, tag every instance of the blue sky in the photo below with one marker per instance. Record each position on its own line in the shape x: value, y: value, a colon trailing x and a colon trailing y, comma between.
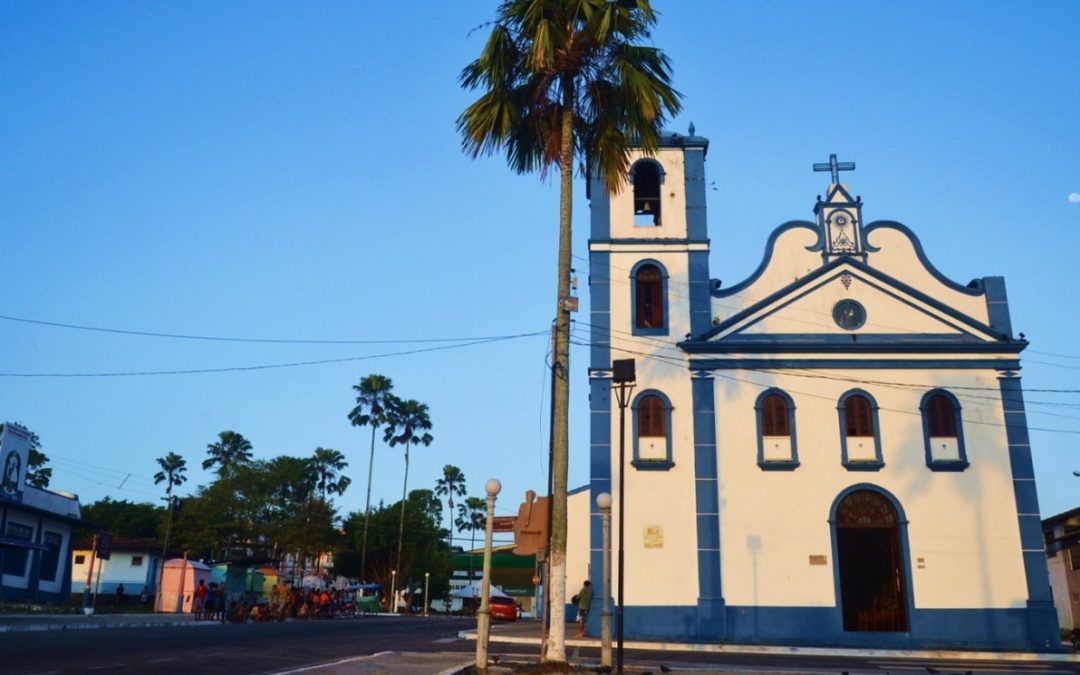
x: 280, y: 170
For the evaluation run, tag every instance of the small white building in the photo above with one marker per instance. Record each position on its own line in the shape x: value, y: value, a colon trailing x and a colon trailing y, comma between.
x: 133, y: 564
x: 833, y: 451
x: 35, y: 528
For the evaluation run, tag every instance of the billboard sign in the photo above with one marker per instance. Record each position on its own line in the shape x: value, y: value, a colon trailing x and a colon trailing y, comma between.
x: 14, y: 458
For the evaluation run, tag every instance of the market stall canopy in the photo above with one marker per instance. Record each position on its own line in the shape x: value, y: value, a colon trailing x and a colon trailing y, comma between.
x: 474, y: 590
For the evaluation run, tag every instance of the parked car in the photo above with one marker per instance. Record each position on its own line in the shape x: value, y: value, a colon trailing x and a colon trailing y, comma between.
x: 502, y: 608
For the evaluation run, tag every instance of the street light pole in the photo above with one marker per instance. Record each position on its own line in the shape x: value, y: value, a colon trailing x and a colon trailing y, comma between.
x: 603, y: 500
x: 483, y: 615
x: 393, y: 591
x: 622, y: 374
x: 427, y: 582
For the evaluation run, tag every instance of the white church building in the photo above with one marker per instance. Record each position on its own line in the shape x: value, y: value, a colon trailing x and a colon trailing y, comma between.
x: 833, y: 451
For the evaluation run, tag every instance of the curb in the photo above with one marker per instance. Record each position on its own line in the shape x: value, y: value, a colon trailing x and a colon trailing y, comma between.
x: 692, y: 647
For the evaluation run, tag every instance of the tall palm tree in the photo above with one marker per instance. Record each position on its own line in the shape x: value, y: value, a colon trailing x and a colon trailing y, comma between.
x: 566, y: 80
x: 452, y: 483
x: 408, y: 425
x: 326, y: 467
x: 472, y: 516
x: 371, y: 409
x: 230, y: 451
x: 173, y: 468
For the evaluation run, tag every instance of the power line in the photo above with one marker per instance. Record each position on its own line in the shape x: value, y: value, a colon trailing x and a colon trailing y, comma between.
x: 215, y: 338
x: 271, y: 366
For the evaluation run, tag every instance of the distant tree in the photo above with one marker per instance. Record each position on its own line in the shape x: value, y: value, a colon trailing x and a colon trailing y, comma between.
x: 173, y: 468
x: 123, y: 518
x: 371, y: 409
x: 326, y: 466
x: 37, y: 474
x: 472, y: 516
x: 424, y: 547
x: 230, y: 450
x: 450, y: 485
x: 407, y: 425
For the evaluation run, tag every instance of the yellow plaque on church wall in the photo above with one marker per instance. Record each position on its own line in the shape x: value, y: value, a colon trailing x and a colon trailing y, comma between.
x: 654, y: 536
x: 819, y: 560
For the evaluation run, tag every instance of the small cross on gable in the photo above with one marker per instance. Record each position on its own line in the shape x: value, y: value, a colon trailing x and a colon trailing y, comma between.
x: 834, y: 167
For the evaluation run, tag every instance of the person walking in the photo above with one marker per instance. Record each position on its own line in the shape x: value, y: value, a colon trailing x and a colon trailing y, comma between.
x: 584, y: 599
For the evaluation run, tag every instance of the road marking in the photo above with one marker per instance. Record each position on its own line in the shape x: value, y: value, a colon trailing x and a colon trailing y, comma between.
x: 331, y: 664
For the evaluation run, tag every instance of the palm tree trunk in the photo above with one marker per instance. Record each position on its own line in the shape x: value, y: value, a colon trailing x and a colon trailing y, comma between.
x: 556, y: 648
x: 450, y: 523
x: 367, y: 507
x: 401, y: 526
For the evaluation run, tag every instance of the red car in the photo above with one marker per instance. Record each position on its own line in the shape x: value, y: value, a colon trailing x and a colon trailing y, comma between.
x: 504, y: 609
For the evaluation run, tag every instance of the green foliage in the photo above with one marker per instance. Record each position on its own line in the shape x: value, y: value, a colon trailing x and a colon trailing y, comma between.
x: 423, y: 547
x: 125, y: 519
x: 230, y: 450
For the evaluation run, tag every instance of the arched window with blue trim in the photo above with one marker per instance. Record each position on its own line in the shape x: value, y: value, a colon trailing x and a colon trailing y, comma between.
x: 647, y: 176
x: 652, y: 431
x: 943, y: 431
x: 777, y: 445
x: 860, y: 434
x: 648, y: 283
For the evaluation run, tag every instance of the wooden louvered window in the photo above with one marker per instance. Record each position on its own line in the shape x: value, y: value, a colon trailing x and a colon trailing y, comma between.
x: 774, y: 416
x: 857, y: 416
x: 941, y: 417
x: 652, y: 420
x: 649, y: 295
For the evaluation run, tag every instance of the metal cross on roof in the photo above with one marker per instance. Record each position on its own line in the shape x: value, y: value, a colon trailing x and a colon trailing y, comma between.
x: 835, y: 167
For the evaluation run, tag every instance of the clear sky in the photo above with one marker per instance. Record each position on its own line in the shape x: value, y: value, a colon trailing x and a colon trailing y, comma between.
x: 284, y: 170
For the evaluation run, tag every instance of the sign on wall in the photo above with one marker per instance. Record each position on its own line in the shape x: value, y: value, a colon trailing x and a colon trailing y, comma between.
x: 14, y: 457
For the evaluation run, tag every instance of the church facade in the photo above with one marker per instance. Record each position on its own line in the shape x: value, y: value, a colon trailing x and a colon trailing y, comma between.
x: 833, y: 451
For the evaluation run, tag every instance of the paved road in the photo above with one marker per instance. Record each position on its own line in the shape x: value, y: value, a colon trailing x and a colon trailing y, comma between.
x: 229, y: 648
x: 402, y: 645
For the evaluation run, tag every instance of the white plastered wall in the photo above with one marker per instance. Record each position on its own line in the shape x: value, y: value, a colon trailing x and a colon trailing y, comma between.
x: 963, y: 535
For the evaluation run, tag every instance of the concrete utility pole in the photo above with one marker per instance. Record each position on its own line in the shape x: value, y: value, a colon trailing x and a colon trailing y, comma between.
x: 483, y: 615
x: 603, y: 500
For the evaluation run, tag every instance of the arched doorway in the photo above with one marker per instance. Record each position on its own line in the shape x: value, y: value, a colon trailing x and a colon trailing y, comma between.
x: 872, y: 589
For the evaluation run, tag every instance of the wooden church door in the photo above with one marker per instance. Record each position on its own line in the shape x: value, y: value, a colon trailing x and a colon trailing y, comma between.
x: 872, y: 591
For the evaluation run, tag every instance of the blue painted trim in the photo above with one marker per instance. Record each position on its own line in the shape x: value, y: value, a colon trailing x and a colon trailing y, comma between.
x: 697, y: 226
x: 1042, y: 617
x: 710, y: 616
x: 862, y: 343
x: 888, y: 284
x: 975, y: 287
x: 770, y: 247
x: 658, y: 241
x: 948, y: 464
x: 652, y: 464
x: 634, y: 329
x: 775, y: 465
x: 700, y: 303
x: 859, y: 465
x: 637, y: 461
x: 600, y: 309
x: 854, y: 364
x: 905, y: 550
x: 997, y: 305
x: 994, y: 630
x: 599, y: 209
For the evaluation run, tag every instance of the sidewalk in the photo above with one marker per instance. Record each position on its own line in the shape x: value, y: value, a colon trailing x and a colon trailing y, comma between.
x: 37, y: 622
x: 529, y: 632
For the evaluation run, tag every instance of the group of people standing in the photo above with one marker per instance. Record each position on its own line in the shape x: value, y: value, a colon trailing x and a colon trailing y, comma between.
x: 209, y: 603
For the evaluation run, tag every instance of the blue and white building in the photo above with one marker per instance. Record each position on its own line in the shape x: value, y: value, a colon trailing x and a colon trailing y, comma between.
x: 833, y: 451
